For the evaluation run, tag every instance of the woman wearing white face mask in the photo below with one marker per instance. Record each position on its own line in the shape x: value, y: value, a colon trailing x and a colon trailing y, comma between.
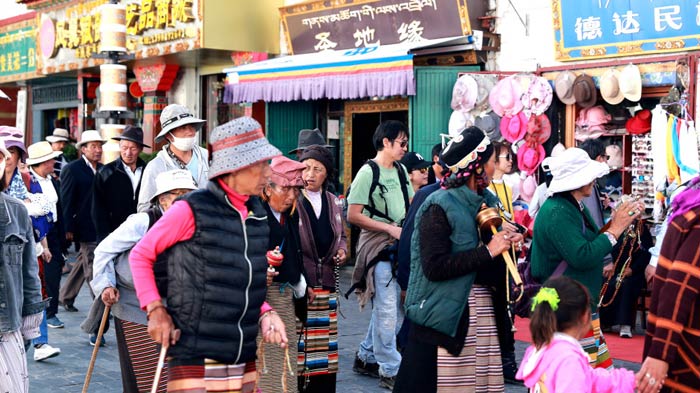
x: 180, y: 129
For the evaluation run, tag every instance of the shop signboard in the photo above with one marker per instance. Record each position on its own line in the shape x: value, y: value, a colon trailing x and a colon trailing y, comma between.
x: 69, y: 33
x: 323, y: 25
x: 18, y: 52
x: 591, y: 29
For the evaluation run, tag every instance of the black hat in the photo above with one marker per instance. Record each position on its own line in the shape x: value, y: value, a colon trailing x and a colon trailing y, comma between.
x: 320, y: 154
x: 413, y: 161
x: 133, y: 134
x: 471, y: 145
x: 309, y: 138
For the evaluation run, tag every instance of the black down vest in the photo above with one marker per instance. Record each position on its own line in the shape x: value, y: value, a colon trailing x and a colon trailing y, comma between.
x: 216, y: 280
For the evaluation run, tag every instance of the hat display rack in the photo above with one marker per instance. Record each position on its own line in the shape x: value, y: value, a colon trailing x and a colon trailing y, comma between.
x: 113, y: 87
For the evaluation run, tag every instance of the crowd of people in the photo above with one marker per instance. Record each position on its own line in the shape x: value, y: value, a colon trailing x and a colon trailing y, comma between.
x: 228, y: 258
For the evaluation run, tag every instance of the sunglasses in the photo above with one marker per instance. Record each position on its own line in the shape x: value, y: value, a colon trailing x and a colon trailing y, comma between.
x: 5, y: 134
x: 422, y: 170
x: 506, y: 156
x: 403, y: 143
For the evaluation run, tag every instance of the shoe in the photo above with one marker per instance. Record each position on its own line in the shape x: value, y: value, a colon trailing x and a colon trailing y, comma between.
x: 69, y: 307
x: 93, y: 340
x: 510, y: 368
x: 387, y: 382
x: 370, y: 369
x: 54, y: 322
x: 45, y: 351
x: 625, y: 331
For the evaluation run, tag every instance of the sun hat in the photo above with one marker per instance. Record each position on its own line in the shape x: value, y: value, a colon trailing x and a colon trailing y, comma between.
x: 539, y: 128
x: 40, y: 152
x: 585, y: 91
x: 514, y: 128
x: 505, y: 97
x: 640, y: 123
x: 174, y: 116
x: 490, y: 124
x: 133, y: 134
x: 13, y: 137
x: 308, y: 138
x: 465, y: 148
x: 238, y: 144
x: 173, y: 180
x: 485, y: 83
x: 573, y: 169
x: 538, y: 96
x: 3, y: 149
x: 614, y: 153
x: 631, y: 82
x: 557, y: 150
x: 610, y: 87
x: 459, y: 121
x: 413, y: 161
x: 90, y: 136
x: 530, y: 157
x: 59, y: 135
x: 564, y: 87
x: 464, y: 94
x: 286, y: 172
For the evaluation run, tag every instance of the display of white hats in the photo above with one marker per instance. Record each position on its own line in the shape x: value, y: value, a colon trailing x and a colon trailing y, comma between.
x: 458, y: 122
x: 464, y: 94
x: 631, y: 83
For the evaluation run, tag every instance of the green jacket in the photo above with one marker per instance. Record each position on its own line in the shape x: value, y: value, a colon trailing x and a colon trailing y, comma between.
x: 439, y: 304
x: 558, y: 235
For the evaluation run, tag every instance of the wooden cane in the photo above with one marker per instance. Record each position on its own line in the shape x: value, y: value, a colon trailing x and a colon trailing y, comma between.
x: 100, y: 332
x: 159, y: 369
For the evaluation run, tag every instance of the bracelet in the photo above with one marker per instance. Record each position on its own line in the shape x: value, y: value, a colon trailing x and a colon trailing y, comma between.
x: 269, y: 312
x: 611, y: 238
x: 148, y: 314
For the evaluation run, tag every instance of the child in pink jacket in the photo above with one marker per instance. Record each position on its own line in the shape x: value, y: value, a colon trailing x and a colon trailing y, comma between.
x: 556, y: 362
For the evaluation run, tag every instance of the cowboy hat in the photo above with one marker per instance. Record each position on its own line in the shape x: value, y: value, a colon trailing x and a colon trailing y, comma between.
x: 610, y: 87
x: 90, y: 136
x: 640, y: 123
x: 564, y: 87
x: 572, y: 170
x: 40, y: 152
x: 174, y: 116
x: 585, y: 91
x: 132, y: 134
x: 59, y: 135
x: 308, y: 138
x: 505, y: 97
x: 631, y: 83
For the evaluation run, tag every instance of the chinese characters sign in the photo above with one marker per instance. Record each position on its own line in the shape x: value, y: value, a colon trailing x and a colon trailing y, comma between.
x: 609, y: 28
x: 17, y: 53
x: 315, y: 27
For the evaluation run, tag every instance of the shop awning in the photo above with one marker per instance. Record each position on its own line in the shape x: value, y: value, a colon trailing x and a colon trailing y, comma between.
x: 356, y: 73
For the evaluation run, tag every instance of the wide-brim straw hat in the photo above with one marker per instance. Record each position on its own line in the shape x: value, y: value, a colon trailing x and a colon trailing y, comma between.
x: 631, y: 83
x: 173, y: 180
x: 238, y: 144
x: 174, y: 116
x: 572, y: 170
x: 564, y: 87
x: 59, y: 135
x: 90, y: 136
x: 40, y: 152
x: 610, y: 87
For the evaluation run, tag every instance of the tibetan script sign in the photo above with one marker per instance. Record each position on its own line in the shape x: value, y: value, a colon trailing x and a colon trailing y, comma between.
x: 315, y: 27
x: 608, y: 28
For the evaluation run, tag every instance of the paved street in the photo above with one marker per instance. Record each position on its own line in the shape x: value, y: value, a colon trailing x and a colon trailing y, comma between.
x: 66, y: 372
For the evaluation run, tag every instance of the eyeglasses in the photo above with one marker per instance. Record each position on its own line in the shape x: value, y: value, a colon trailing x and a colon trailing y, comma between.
x: 506, y: 156
x: 403, y: 143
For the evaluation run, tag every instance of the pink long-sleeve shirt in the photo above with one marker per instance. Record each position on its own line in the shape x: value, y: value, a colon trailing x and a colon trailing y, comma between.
x: 176, y: 225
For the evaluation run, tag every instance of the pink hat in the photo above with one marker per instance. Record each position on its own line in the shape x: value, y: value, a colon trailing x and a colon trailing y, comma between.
x: 505, y: 97
x: 286, y: 172
x: 539, y: 128
x: 514, y: 128
x: 597, y: 116
x: 464, y: 94
x: 528, y: 187
x: 529, y: 158
x: 538, y: 96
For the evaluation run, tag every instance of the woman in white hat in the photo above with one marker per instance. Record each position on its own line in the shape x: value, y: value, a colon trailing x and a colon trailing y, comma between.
x: 113, y: 280
x: 180, y: 128
x: 565, y: 232
x: 215, y: 241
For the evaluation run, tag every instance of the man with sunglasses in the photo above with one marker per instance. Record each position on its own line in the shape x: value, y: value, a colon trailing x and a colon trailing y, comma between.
x: 379, y: 211
x: 417, y: 168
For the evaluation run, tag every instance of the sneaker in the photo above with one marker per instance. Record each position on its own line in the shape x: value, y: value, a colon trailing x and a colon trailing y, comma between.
x: 69, y: 307
x: 54, y: 322
x: 387, y: 382
x: 45, y: 351
x: 370, y: 369
x: 626, y: 331
x: 93, y: 340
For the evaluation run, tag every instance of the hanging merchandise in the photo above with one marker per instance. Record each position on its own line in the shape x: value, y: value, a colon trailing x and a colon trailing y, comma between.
x: 564, y: 87
x: 530, y: 157
x: 631, y: 83
x: 585, y: 91
x: 640, y: 123
x: 485, y: 83
x: 464, y: 94
x: 505, y: 98
x: 537, y: 96
x: 688, y: 144
x: 459, y: 121
x: 643, y: 169
x: 591, y: 123
x: 610, y: 87
x: 539, y: 129
x: 528, y: 187
x: 514, y: 128
x: 613, y: 181
x: 489, y: 123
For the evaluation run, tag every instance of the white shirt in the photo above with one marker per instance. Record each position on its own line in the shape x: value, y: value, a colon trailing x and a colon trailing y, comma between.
x: 89, y: 164
x: 315, y: 198
x: 134, y: 176
x: 49, y: 193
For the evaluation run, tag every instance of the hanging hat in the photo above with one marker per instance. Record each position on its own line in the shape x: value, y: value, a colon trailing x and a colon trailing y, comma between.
x: 564, y: 87
x: 308, y: 138
x: 238, y: 144
x: 585, y: 91
x: 514, y: 128
x: 539, y: 128
x: 505, y: 97
x: 485, y: 83
x: 3, y: 149
x: 90, y: 136
x: 458, y: 122
x: 528, y: 188
x: 286, y: 172
x: 640, y: 123
x: 59, y: 135
x: 619, y: 116
x: 40, y: 152
x: 173, y: 180
x: 469, y: 146
x: 529, y: 157
x: 13, y: 137
x: 610, y: 87
x: 572, y: 170
x: 133, y: 134
x: 174, y: 116
x: 614, y: 153
x: 489, y: 124
x: 538, y: 95
x: 631, y: 83
x: 464, y: 94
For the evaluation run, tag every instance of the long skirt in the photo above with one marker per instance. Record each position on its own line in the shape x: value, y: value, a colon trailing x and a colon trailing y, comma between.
x: 206, y: 376
x: 272, y: 370
x: 594, y: 345
x: 317, y: 363
x: 138, y: 358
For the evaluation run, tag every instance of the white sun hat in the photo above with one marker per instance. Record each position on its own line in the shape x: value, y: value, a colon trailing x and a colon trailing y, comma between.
x: 90, y: 136
x: 173, y: 180
x: 573, y: 169
x: 40, y: 152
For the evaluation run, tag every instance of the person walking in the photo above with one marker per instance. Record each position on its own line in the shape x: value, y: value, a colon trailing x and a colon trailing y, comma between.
x: 58, y: 140
x: 180, y: 128
x: 116, y: 186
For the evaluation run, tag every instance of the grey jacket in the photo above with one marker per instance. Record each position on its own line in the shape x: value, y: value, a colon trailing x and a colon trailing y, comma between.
x: 20, y: 288
x: 163, y: 163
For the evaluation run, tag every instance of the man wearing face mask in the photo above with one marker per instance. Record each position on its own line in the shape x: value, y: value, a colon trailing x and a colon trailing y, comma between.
x: 180, y: 129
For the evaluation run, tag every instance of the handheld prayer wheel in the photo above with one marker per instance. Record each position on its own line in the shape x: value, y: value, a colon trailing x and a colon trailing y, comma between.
x: 489, y: 219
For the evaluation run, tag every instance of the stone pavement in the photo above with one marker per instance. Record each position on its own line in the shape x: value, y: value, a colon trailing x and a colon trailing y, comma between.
x: 66, y: 373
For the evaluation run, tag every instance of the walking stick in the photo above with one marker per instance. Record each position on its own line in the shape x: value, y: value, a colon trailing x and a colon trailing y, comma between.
x: 100, y: 332
x: 159, y: 369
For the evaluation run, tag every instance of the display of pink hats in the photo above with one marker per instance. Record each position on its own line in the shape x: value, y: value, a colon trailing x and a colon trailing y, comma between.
x: 505, y: 97
x: 530, y: 157
x: 539, y: 129
x: 538, y: 96
x: 591, y: 123
x: 514, y: 128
